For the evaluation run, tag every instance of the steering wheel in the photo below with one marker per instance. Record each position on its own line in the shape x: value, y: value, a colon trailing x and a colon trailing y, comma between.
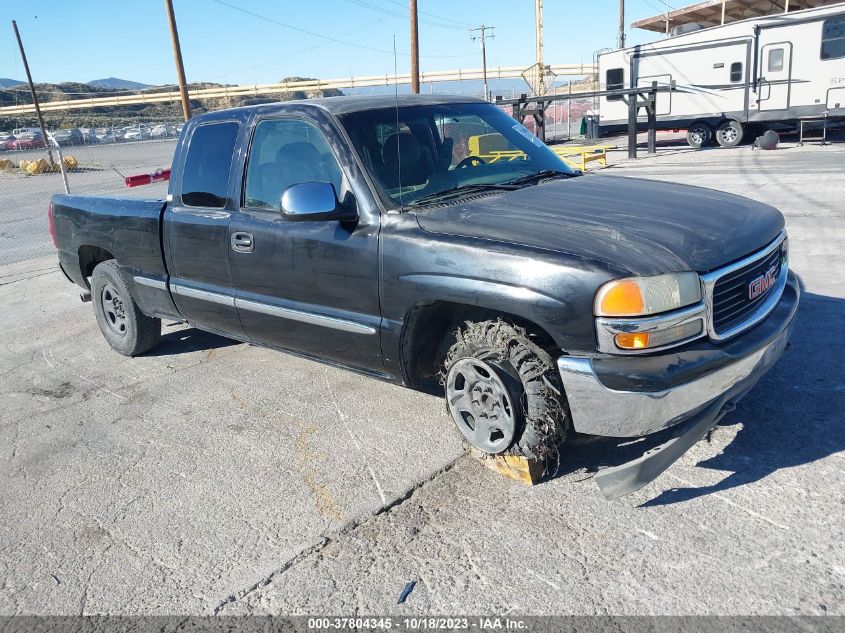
x: 470, y: 161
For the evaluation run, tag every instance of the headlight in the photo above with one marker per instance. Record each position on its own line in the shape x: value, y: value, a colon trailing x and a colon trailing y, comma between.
x: 643, y: 296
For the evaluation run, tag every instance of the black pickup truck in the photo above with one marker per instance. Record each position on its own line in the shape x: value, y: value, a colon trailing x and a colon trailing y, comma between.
x: 428, y: 236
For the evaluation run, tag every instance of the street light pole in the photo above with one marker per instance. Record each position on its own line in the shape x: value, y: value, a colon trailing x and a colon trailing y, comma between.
x: 177, y: 55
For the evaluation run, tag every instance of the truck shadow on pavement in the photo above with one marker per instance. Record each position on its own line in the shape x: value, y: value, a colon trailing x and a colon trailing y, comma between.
x: 792, y: 416
x: 189, y: 340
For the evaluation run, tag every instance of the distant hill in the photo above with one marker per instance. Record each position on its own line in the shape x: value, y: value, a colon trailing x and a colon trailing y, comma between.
x: 8, y: 83
x: 102, y: 116
x: 117, y: 84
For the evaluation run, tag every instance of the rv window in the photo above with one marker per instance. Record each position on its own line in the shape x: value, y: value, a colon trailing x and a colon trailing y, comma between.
x: 833, y: 38
x: 736, y: 72
x: 775, y: 60
x: 615, y: 80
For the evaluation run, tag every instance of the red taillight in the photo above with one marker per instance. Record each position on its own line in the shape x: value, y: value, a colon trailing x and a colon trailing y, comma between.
x: 52, y: 225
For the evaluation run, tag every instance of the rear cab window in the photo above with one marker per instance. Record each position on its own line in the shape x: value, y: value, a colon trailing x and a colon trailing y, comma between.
x: 205, y: 178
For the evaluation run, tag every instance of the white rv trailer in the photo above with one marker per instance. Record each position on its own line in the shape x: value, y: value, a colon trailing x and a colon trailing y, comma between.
x: 736, y: 78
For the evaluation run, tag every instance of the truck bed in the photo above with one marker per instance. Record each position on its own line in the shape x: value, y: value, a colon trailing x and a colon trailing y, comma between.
x: 126, y: 229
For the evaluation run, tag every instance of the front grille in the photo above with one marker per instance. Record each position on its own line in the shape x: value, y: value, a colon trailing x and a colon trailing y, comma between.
x: 732, y: 302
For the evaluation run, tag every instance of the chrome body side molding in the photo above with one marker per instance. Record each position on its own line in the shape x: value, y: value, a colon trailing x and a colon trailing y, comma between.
x: 305, y: 317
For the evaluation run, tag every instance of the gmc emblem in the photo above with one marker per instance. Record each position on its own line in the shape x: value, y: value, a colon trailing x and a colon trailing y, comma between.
x: 761, y: 284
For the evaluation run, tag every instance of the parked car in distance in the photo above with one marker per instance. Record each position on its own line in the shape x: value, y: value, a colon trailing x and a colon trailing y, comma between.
x: 382, y: 234
x: 137, y: 133
x: 24, y: 130
x: 72, y: 136
x: 6, y: 136
x: 164, y: 130
x: 29, y: 140
x: 88, y: 135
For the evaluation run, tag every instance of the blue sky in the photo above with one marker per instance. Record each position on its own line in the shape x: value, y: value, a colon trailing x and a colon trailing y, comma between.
x: 81, y: 40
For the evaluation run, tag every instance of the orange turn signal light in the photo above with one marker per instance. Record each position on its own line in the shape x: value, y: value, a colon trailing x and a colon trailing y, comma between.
x: 621, y: 298
x: 635, y: 340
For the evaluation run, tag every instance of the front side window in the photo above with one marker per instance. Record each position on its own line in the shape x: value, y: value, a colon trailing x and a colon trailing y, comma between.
x: 736, y: 72
x: 287, y: 152
x: 205, y: 181
x: 615, y: 80
x: 775, y: 60
x: 442, y: 148
x: 833, y: 38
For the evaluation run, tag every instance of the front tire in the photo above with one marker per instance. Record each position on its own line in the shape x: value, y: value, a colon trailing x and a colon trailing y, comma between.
x: 504, y: 393
x: 128, y: 330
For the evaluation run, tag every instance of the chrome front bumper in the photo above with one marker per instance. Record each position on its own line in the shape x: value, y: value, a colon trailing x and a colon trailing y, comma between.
x: 599, y: 410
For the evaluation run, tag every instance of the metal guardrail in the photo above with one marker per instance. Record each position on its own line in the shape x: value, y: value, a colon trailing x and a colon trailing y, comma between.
x: 142, y: 97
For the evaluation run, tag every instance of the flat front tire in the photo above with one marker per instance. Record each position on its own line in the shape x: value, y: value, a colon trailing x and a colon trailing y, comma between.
x: 128, y: 330
x: 504, y: 393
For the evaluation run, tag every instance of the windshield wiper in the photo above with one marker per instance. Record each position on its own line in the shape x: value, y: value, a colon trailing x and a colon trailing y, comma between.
x: 460, y: 190
x: 532, y: 179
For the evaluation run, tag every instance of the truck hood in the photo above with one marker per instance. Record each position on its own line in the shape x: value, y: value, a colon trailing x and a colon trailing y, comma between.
x: 646, y: 227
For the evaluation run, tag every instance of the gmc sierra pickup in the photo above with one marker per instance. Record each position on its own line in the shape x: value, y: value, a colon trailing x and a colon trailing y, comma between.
x: 431, y: 236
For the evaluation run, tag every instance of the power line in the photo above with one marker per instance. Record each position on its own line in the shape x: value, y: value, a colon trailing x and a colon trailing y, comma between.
x: 403, y: 16
x: 327, y: 37
x: 295, y: 53
x: 433, y: 15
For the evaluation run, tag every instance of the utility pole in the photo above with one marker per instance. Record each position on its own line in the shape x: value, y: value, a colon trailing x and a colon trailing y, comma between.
x: 620, y: 40
x: 415, y: 50
x: 482, y: 30
x: 177, y: 54
x: 540, y: 84
x: 34, y: 96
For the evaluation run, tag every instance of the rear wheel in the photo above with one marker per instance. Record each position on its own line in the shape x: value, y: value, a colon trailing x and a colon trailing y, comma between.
x: 699, y: 135
x: 504, y: 394
x: 729, y: 134
x: 128, y: 330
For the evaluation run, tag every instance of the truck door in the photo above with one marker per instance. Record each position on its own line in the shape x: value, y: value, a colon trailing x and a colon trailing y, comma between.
x: 196, y: 230
x: 308, y: 286
x: 774, y: 76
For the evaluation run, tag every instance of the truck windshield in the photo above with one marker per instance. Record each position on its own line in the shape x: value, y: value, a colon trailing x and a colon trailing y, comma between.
x: 421, y: 152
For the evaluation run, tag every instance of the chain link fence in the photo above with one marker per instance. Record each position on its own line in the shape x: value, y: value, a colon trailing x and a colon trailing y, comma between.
x: 96, y: 161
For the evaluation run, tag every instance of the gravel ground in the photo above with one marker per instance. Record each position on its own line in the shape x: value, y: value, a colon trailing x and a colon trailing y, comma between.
x: 215, y: 477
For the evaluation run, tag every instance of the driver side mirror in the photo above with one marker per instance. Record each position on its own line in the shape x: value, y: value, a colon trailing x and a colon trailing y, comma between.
x: 315, y: 201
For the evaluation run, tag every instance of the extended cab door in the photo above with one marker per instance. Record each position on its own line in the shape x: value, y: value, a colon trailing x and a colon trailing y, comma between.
x: 308, y: 286
x: 196, y: 229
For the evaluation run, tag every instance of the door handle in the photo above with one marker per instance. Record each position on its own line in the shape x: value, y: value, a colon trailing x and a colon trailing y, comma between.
x: 242, y: 242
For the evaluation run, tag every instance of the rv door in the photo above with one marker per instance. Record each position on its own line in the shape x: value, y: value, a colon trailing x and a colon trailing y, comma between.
x: 774, y: 76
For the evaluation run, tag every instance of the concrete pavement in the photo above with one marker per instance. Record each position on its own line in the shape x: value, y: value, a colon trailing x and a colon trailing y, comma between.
x: 214, y: 477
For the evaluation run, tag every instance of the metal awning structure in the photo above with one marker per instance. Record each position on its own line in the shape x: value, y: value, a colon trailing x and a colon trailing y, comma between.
x: 716, y: 12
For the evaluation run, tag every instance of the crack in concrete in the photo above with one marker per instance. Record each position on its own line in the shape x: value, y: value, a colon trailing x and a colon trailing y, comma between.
x: 325, y: 541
